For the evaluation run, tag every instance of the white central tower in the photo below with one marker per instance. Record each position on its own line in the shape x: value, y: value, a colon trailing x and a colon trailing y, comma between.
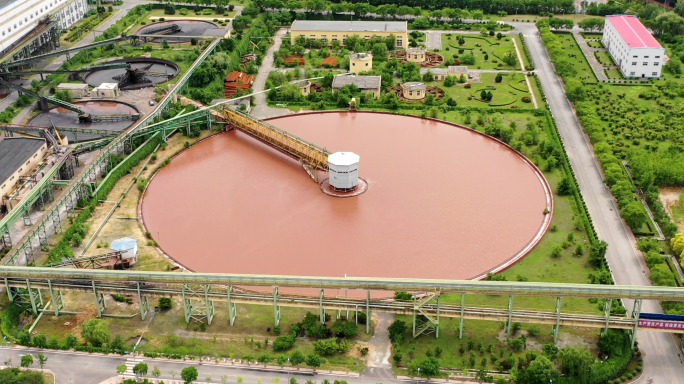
x: 344, y: 170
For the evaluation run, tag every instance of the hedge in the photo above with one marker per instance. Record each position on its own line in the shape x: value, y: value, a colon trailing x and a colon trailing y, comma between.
x: 527, y: 53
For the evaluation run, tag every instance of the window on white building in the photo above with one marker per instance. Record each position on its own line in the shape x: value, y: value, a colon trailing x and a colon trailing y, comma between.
x: 657, y: 57
x: 631, y: 73
x: 656, y: 63
x: 634, y: 63
x: 654, y: 74
x: 635, y: 56
x: 645, y: 63
x: 645, y: 57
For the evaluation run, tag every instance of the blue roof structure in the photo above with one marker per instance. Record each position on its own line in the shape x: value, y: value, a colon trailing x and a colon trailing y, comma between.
x: 123, y: 244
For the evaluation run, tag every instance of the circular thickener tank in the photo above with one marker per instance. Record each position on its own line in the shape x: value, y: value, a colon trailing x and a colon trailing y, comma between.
x: 443, y: 202
x: 150, y: 72
x: 61, y: 117
x: 176, y: 27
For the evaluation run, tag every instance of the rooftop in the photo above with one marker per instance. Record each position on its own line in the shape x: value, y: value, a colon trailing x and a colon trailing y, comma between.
x: 360, y: 56
x: 343, y: 158
x: 363, y: 82
x: 239, y: 77
x: 415, y: 50
x: 108, y: 85
x: 435, y: 71
x: 458, y: 69
x: 353, y: 26
x: 72, y: 86
x: 633, y: 32
x: 413, y: 85
x: 14, y: 151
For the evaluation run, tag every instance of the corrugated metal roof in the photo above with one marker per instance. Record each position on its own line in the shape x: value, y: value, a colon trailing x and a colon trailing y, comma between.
x: 363, y: 82
x: 352, y: 26
x: 72, y: 86
x: 123, y: 244
x: 633, y: 32
x: 15, y: 151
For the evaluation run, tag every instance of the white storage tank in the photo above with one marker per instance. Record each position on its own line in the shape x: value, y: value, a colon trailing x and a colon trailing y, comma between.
x: 344, y: 170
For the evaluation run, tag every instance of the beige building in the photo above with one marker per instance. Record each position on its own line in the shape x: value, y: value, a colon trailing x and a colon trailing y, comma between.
x: 360, y: 62
x: 415, y: 55
x: 441, y: 73
x: 19, y: 156
x: 304, y: 86
x: 74, y: 89
x: 365, y: 83
x: 414, y: 90
x: 107, y: 91
x: 329, y: 31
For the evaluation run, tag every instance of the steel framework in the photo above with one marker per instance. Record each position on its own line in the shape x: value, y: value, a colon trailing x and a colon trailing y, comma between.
x: 200, y: 291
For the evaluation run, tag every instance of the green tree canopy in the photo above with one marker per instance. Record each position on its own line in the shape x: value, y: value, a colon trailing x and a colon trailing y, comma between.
x: 95, y: 332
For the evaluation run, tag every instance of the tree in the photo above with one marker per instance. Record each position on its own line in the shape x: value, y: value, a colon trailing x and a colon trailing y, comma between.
x: 239, y: 379
x: 429, y: 367
x: 468, y: 59
x: 281, y: 360
x: 397, y: 331
x: 313, y: 360
x: 575, y: 90
x: 42, y: 360
x: 95, y: 331
x: 264, y: 359
x: 63, y: 95
x: 189, y: 374
x: 379, y: 51
x: 462, y: 78
x: 156, y: 372
x: 498, y: 78
x: 70, y: 341
x: 540, y: 371
x: 674, y: 66
x: 576, y: 361
x: 483, y: 94
x: 677, y: 243
x: 296, y: 358
x: 449, y: 81
x: 591, y: 24
x: 27, y: 360
x: 634, y: 215
x: 165, y: 303
x: 428, y: 76
x: 510, y: 59
x: 140, y: 369
x: 121, y: 369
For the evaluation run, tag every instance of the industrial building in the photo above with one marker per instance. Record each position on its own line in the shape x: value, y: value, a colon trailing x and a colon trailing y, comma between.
x: 633, y: 48
x: 27, y: 27
x: 329, y: 31
x: 365, y: 83
x: 19, y: 156
x: 107, y: 90
x: 74, y: 89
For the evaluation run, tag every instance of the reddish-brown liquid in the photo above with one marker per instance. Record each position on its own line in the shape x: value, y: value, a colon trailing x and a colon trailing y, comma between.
x: 443, y: 202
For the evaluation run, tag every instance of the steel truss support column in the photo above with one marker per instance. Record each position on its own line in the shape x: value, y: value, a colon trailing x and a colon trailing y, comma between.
x: 606, y: 311
x: 232, y: 311
x: 57, y: 222
x: 431, y: 324
x: 276, y: 307
x: 144, y: 304
x: 636, y: 312
x: 460, y: 325
x: 7, y: 239
x: 368, y: 314
x: 510, y: 316
x: 320, y: 307
x: 34, y: 297
x: 57, y: 300
x: 196, y: 303
x: 556, y: 328
x: 27, y: 218
x: 100, y: 301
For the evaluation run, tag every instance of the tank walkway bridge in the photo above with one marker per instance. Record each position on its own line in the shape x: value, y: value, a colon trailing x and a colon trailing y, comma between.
x: 200, y: 292
x: 111, y: 259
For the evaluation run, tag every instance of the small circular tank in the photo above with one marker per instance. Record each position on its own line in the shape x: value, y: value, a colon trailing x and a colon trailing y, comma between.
x: 416, y: 55
x: 414, y: 90
x: 360, y: 62
x: 304, y: 86
x: 344, y: 170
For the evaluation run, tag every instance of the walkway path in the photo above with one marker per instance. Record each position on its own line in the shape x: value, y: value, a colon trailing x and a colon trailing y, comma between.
x: 662, y: 360
x: 262, y: 110
x: 589, y: 54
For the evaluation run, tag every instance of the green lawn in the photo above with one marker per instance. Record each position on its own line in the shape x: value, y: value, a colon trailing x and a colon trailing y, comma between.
x: 595, y: 43
x: 580, y: 64
x: 505, y: 95
x: 592, y: 35
x: 526, y: 61
x: 479, y: 46
x: 614, y: 73
x: 604, y: 58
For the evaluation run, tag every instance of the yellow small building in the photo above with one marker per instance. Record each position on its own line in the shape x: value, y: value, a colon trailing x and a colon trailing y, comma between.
x: 328, y: 31
x: 304, y: 86
x: 415, y: 55
x: 414, y: 90
x: 365, y: 83
x: 360, y: 62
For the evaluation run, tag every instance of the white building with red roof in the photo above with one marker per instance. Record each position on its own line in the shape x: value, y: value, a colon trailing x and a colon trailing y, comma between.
x: 633, y: 48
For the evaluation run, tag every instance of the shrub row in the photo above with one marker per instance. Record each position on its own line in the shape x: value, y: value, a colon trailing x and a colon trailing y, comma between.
x: 527, y: 53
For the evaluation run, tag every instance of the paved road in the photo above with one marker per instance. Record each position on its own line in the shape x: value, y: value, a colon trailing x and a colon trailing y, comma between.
x: 662, y: 360
x: 262, y: 110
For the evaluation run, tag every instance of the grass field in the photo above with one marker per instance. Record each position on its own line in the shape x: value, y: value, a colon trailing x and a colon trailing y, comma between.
x: 518, y: 42
x: 505, y: 96
x: 580, y: 63
x: 595, y: 44
x: 479, y: 46
x: 614, y: 73
x: 604, y: 58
